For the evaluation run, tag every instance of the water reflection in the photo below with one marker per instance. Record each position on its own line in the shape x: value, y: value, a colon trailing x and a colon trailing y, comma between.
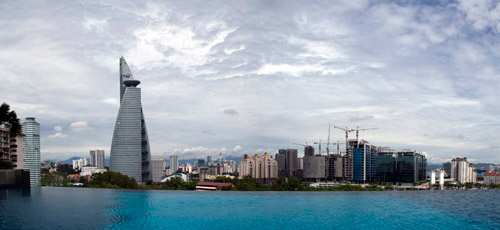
x: 130, y: 208
x: 6, y: 193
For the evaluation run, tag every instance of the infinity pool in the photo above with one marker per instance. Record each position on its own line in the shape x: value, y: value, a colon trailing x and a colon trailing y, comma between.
x: 82, y: 208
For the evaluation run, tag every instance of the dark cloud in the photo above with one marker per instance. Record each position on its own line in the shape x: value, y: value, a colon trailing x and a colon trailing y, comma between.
x: 231, y: 112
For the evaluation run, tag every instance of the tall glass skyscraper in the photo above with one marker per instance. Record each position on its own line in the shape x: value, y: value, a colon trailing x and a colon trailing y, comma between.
x: 31, y: 149
x: 130, y: 153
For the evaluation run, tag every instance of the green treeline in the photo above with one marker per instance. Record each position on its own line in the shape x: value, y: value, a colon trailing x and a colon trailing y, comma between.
x: 117, y: 180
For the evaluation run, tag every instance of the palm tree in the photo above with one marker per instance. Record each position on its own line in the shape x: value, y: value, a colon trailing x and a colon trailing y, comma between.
x: 10, y: 117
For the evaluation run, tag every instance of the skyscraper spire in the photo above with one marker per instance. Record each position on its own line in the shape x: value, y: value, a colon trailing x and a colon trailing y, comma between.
x: 125, y: 74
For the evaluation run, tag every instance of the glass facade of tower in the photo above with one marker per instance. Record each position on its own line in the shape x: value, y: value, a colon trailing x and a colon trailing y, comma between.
x: 130, y: 152
x: 31, y: 149
x: 411, y: 167
x: 363, y: 163
x: 386, y: 167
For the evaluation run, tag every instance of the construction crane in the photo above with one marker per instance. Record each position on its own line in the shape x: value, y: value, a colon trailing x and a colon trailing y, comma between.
x: 338, y: 146
x: 301, y: 144
x: 318, y: 143
x: 357, y: 133
x: 328, y: 143
x: 347, y: 131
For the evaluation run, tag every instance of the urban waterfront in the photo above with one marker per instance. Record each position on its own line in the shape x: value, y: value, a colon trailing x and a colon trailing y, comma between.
x: 82, y: 208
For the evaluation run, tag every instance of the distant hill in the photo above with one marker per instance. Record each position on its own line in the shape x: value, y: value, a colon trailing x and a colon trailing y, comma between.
x: 482, y: 165
x: 70, y: 160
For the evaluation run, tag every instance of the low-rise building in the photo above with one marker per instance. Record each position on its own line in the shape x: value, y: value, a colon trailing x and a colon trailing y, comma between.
x: 491, y: 178
x: 90, y: 170
x: 212, y: 186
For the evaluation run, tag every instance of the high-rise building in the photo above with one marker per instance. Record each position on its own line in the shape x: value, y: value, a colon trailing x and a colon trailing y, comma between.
x: 264, y: 169
x: 447, y: 168
x: 130, y: 152
x: 280, y: 158
x: 411, y: 167
x: 291, y: 161
x: 97, y: 158
x: 463, y: 171
x: 386, y: 166
x: 201, y: 163
x: 314, y: 168
x: 78, y: 164
x: 209, y: 160
x: 308, y: 151
x: 31, y: 149
x: 174, y: 164
x: 4, y: 142
x: 363, y: 157
x: 334, y: 167
x: 158, y: 165
x: 16, y: 151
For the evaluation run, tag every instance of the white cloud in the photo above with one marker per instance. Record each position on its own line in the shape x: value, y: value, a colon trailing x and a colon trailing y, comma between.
x: 79, y: 126
x: 58, y: 135
x: 58, y: 128
x: 112, y: 101
x: 93, y: 24
x: 407, y: 68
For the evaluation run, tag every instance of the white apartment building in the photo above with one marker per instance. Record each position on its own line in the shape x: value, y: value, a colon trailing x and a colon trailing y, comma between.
x: 463, y: 171
x: 78, y: 164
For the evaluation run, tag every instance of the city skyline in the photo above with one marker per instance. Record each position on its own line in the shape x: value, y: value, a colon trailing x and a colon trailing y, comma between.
x: 245, y: 80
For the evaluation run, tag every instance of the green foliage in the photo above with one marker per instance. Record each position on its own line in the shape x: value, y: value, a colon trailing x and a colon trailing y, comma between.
x: 494, y: 186
x: 223, y: 179
x: 53, y: 179
x: 292, y: 184
x: 6, y: 164
x: 112, y: 179
x: 66, y: 169
x: 7, y: 116
x: 176, y: 183
x: 247, y: 183
x: 389, y: 187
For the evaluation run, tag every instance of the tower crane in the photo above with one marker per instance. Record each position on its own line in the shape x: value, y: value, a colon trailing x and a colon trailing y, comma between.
x: 318, y: 143
x: 328, y: 143
x: 301, y: 144
x: 357, y: 133
x: 338, y: 146
x: 347, y: 131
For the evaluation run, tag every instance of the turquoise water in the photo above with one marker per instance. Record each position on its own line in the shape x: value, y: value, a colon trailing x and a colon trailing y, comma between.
x: 81, y: 208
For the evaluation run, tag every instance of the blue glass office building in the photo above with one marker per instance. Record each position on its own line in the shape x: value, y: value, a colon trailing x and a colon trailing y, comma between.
x: 364, y: 163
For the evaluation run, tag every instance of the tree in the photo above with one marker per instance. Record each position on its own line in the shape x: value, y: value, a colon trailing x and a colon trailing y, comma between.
x: 174, y: 183
x: 223, y: 179
x: 10, y: 117
x: 66, y: 169
x: 112, y: 179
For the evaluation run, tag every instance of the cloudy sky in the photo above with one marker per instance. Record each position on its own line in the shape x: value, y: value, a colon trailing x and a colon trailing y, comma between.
x: 252, y: 76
